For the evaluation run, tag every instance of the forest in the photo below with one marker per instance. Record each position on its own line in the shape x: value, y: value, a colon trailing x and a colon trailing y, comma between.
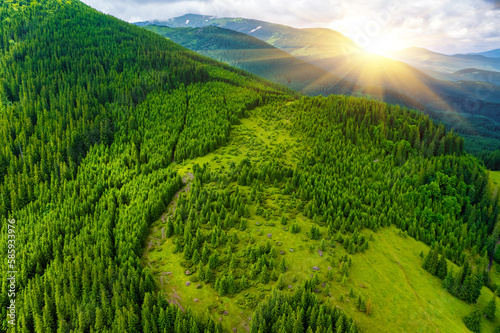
x: 475, y: 120
x: 104, y: 124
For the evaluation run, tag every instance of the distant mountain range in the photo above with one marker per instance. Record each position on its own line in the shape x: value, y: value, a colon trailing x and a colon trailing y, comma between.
x: 490, y: 54
x: 322, y: 61
x: 260, y: 58
x: 443, y: 66
x: 314, y: 43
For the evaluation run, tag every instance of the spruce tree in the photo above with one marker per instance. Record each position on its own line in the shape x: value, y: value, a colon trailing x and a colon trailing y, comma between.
x: 205, y: 254
x: 234, y: 262
x: 442, y: 270
x: 448, y: 281
x: 196, y: 256
x: 201, y: 272
x: 208, y: 274
x: 264, y: 276
x: 281, y: 282
x: 489, y: 310
x: 213, y: 260
x: 283, y: 265
x: 473, y: 320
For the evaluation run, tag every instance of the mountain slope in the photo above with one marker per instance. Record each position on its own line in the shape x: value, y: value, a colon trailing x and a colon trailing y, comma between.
x: 251, y: 54
x: 464, y: 107
x: 103, y: 129
x: 93, y: 111
x: 474, y: 74
x: 260, y: 58
x: 490, y: 54
x: 298, y: 42
x: 432, y: 61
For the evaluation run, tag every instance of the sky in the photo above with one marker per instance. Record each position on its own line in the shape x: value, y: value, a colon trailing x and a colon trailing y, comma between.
x: 445, y: 26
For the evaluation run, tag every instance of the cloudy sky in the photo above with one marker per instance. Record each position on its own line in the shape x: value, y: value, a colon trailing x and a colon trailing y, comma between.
x: 447, y: 26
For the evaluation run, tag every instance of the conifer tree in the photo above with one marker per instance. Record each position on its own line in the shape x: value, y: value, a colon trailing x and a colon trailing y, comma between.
x: 442, y: 270
x: 213, y: 260
x: 281, y: 282
x: 264, y: 276
x: 205, y: 254
x: 491, y: 307
x: 283, y: 267
x: 209, y: 276
x: 234, y: 262
x: 473, y: 320
x: 201, y: 272
x: 196, y: 256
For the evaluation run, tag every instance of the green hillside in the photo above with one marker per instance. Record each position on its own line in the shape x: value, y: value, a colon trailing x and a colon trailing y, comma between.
x: 315, y: 43
x: 251, y: 54
x: 470, y: 108
x: 130, y: 166
x: 260, y: 58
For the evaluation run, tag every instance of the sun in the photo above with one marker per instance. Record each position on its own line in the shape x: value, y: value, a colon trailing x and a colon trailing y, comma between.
x: 382, y: 47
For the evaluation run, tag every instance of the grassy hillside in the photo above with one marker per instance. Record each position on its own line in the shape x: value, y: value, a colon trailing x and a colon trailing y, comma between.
x: 126, y: 160
x: 404, y: 297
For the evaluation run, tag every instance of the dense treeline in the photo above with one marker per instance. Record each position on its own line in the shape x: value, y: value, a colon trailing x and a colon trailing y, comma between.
x: 474, y: 119
x: 260, y: 58
x: 93, y: 111
x: 302, y: 312
x: 491, y: 159
x: 373, y: 165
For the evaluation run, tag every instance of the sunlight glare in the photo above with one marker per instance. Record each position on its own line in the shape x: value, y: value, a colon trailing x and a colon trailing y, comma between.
x: 379, y: 47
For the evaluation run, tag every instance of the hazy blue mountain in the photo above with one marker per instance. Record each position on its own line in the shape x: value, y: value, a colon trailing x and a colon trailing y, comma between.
x: 441, y: 63
x: 474, y: 74
x: 490, y: 54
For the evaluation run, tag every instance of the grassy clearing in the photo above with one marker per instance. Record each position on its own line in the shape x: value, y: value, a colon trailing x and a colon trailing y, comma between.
x: 495, y: 178
x: 405, y: 297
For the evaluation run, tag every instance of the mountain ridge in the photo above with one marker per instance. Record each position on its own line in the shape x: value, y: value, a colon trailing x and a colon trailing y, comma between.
x: 440, y: 94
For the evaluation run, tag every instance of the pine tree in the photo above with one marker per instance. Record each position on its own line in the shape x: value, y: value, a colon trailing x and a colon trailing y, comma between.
x: 201, y: 272
x: 273, y: 253
x: 283, y: 265
x: 231, y: 284
x: 448, y: 281
x: 205, y: 254
x: 234, y: 262
x: 298, y: 326
x: 442, y: 270
x: 213, y: 260
x: 473, y: 320
x: 489, y: 310
x: 222, y: 286
x: 264, y: 276
x: 244, y: 283
x: 209, y: 276
x: 281, y: 282
x: 196, y: 256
